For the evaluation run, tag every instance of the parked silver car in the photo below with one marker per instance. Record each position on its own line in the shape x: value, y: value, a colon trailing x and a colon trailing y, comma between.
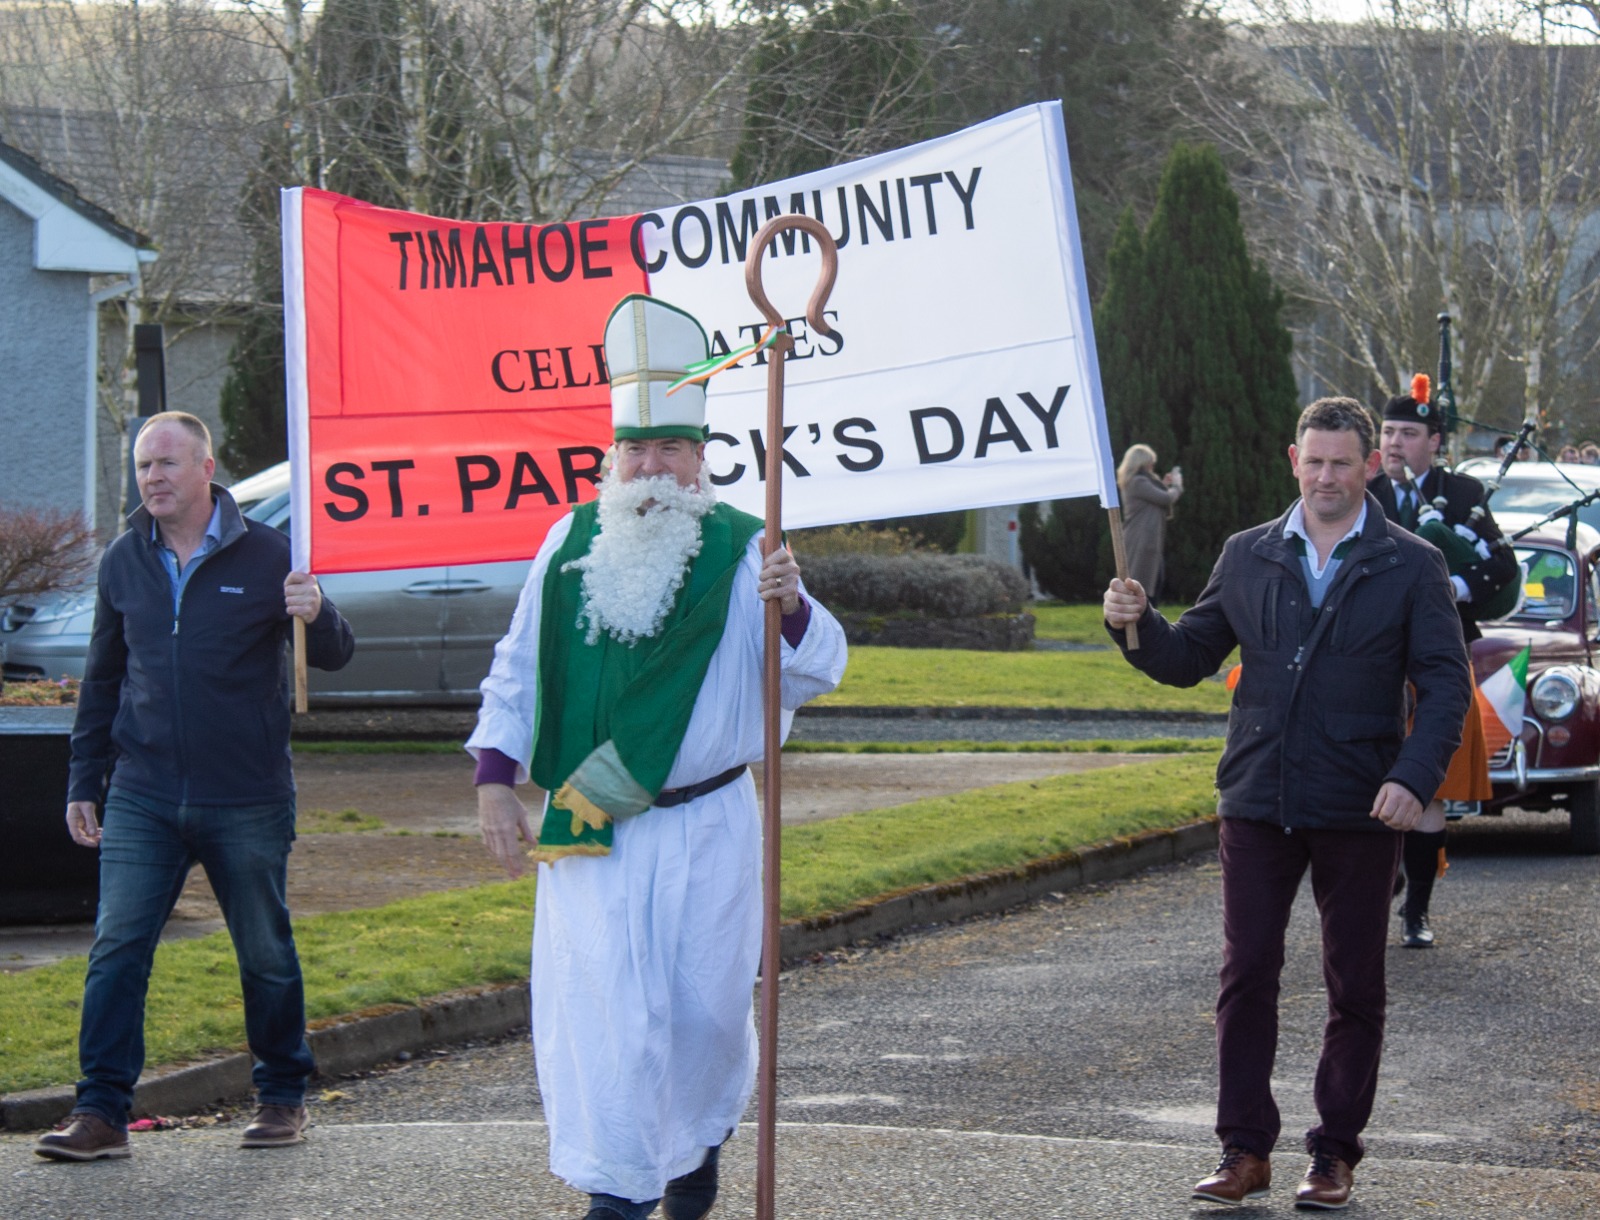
x: 423, y: 635
x: 1537, y: 488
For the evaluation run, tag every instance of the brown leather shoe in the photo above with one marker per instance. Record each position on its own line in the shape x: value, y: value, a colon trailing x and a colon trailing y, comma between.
x: 86, y: 1137
x: 275, y: 1126
x: 1239, y: 1177
x: 1327, y: 1184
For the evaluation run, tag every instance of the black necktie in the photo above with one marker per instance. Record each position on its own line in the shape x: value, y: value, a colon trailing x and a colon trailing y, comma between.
x: 1408, y: 505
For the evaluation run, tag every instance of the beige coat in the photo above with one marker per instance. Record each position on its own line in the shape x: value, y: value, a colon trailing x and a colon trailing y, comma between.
x: 1146, y: 505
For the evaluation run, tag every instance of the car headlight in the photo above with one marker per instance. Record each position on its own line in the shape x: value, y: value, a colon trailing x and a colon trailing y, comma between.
x: 1555, y: 695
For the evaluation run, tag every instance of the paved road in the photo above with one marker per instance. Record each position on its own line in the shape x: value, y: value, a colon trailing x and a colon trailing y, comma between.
x: 1056, y: 1062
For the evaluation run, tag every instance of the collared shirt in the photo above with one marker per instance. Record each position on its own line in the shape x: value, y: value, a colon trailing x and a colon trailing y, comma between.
x: 169, y: 557
x: 1405, y: 492
x: 1296, y: 526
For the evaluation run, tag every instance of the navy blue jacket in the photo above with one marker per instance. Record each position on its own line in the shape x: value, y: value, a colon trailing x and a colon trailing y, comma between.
x: 1318, y: 721
x: 193, y: 708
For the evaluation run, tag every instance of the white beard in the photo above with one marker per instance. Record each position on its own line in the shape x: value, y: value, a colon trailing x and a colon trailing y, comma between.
x: 639, y: 558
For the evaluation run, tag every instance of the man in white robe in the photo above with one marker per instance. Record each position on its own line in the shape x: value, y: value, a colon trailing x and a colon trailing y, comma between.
x: 647, y: 922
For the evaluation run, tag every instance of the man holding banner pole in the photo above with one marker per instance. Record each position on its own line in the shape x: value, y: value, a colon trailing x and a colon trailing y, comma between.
x: 629, y: 690
x: 1333, y: 611
x: 181, y: 746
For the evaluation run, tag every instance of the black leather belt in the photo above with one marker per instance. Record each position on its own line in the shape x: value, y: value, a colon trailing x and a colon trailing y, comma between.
x: 679, y: 796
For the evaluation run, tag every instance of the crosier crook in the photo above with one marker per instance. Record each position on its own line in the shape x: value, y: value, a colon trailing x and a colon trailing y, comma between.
x: 767, y: 1101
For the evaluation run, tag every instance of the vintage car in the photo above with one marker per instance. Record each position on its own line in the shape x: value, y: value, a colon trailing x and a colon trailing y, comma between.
x: 1555, y: 762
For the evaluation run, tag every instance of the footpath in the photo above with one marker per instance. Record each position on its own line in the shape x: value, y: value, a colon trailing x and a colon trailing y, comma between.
x: 429, y: 797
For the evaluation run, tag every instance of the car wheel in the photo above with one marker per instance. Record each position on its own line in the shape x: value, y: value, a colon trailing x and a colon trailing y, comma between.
x: 1584, y: 806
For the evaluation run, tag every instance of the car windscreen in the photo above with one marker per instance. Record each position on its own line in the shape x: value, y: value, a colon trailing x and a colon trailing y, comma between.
x: 1539, y: 498
x: 1549, y: 584
x: 274, y: 511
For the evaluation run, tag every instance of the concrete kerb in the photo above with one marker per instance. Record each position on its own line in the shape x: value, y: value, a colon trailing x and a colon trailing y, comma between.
x: 356, y: 1043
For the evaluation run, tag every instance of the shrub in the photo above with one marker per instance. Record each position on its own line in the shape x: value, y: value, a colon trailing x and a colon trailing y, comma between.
x: 930, y: 532
x: 810, y: 545
x: 40, y: 693
x: 945, y: 586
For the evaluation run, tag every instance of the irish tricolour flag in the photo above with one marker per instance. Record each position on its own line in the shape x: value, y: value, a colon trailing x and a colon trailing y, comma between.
x: 1501, y: 699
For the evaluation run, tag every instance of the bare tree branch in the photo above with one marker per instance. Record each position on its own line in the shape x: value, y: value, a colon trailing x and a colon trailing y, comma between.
x: 42, y: 552
x: 1438, y: 156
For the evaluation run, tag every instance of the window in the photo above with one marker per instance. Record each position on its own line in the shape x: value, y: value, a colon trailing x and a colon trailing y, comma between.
x: 1549, y: 583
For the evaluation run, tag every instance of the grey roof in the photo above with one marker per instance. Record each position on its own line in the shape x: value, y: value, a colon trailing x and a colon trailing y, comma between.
x: 659, y: 182
x: 186, y: 196
x: 199, y: 180
x: 68, y: 194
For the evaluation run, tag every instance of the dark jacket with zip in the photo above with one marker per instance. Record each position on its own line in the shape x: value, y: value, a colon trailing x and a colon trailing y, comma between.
x: 192, y: 706
x: 1318, y: 721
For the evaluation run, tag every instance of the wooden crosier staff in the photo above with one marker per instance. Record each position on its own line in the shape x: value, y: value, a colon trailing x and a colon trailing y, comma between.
x: 767, y: 1102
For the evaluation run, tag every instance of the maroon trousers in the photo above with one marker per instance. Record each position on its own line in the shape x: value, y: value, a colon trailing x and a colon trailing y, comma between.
x: 1352, y: 880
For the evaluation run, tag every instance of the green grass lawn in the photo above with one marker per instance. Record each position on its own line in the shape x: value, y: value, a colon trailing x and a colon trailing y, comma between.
x: 1078, y: 624
x: 951, y: 677
x: 1133, y: 745
x: 832, y: 865
x: 406, y: 951
x: 352, y: 960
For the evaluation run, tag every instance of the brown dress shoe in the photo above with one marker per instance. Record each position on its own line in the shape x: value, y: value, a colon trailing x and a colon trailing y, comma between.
x: 275, y: 1126
x: 1326, y: 1185
x: 1239, y: 1177
x: 86, y: 1137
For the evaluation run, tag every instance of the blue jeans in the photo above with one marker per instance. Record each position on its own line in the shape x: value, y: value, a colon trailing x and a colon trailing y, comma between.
x: 146, y: 852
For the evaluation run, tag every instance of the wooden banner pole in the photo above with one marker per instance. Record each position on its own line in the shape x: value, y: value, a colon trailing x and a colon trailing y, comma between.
x: 772, y: 823
x: 1120, y: 553
x: 299, y: 664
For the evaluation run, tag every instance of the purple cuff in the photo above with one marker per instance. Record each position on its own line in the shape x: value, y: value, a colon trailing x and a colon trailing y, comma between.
x: 495, y: 768
x: 794, y: 625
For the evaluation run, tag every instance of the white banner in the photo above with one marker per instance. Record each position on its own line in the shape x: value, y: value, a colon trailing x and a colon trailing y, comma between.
x: 963, y: 374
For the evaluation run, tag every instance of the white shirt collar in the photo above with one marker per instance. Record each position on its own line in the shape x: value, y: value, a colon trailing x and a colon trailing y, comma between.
x: 1296, y: 525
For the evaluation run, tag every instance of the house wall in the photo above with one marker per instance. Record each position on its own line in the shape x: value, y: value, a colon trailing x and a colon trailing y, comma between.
x: 44, y: 371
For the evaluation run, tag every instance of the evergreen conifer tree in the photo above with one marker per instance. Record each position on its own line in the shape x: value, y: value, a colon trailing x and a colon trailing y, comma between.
x: 1127, y: 311
x: 1068, y: 549
x: 1195, y: 363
